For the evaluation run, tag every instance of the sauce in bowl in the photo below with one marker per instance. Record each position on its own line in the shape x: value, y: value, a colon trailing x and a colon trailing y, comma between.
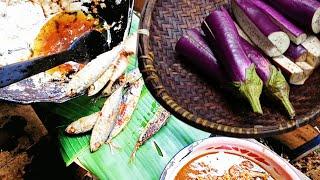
x: 221, y: 165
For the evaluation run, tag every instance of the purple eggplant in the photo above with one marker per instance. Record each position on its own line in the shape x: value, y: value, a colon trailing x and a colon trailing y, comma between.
x: 296, y: 53
x: 242, y: 34
x: 194, y: 47
x: 275, y: 83
x: 295, y: 34
x: 304, y: 12
x: 222, y: 33
x: 263, y: 32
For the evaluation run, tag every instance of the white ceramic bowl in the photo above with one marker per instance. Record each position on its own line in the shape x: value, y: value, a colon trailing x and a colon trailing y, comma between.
x: 239, y: 148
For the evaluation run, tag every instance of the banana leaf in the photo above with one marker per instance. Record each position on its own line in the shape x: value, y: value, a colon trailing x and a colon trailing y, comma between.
x: 150, y: 159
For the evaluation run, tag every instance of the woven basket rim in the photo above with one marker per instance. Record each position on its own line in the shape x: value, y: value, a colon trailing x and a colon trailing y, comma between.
x: 154, y: 84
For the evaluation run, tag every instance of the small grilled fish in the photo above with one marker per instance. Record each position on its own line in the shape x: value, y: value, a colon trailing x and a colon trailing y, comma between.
x: 127, y: 78
x: 91, y: 72
x: 95, y: 68
x: 101, y: 82
x: 119, y: 68
x: 154, y: 125
x: 128, y: 105
x: 106, y: 120
x: 83, y: 124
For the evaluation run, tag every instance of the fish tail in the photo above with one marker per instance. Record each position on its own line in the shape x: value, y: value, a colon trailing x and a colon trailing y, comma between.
x: 112, y: 146
x: 133, y: 154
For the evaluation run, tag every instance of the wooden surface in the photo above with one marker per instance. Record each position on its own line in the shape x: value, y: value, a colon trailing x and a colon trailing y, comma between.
x: 298, y: 137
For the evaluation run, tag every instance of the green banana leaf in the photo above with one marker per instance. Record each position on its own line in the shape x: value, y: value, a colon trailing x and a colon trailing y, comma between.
x: 150, y: 159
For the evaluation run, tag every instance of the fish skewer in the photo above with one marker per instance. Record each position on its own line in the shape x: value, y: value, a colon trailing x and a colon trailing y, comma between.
x: 83, y: 124
x: 106, y: 120
x: 154, y: 125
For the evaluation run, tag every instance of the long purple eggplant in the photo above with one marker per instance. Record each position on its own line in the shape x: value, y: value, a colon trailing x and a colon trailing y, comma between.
x: 263, y: 32
x: 296, y: 53
x: 292, y: 71
x: 295, y: 34
x: 194, y: 47
x: 304, y: 12
x: 221, y: 31
x: 275, y: 83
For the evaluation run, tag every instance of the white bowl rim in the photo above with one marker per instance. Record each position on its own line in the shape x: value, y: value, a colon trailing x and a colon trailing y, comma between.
x: 173, y: 164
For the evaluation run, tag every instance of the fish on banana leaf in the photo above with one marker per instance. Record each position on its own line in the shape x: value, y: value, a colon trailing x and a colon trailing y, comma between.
x: 127, y: 78
x: 101, y: 82
x: 114, y: 116
x: 127, y: 107
x: 129, y: 101
x: 111, y: 75
x: 83, y: 124
x: 106, y: 120
x: 95, y: 68
x: 154, y: 125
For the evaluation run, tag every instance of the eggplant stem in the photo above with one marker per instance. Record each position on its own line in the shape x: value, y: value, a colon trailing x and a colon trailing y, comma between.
x: 287, y: 104
x: 278, y: 88
x: 252, y: 88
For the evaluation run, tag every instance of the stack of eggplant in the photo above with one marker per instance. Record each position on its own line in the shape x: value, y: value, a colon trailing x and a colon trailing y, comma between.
x: 251, y: 51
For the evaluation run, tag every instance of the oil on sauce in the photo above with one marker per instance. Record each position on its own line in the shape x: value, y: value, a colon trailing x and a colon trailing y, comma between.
x: 220, y: 166
x: 60, y: 31
x: 58, y: 34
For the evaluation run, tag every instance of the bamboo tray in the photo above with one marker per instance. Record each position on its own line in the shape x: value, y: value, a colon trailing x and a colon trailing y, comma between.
x: 196, y: 100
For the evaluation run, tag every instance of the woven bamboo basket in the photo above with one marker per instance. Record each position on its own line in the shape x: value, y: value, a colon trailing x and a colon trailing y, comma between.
x: 195, y: 99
